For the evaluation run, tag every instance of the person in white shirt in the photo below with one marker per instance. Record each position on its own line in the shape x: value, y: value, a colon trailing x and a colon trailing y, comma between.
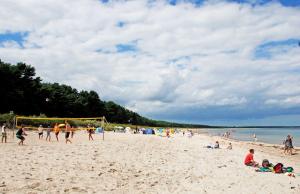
x: 3, y: 133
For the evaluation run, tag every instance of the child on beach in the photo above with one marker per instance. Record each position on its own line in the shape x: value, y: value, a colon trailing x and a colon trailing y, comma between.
x: 68, y: 131
x: 40, y: 131
x: 56, y: 130
x: 249, y: 159
x: 20, y: 136
x: 3, y: 133
x: 48, y: 137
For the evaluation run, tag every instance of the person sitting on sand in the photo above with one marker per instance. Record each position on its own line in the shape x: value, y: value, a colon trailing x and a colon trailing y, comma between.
x: 229, y: 147
x: 56, y: 130
x: 48, y: 137
x: 4, y: 133
x: 68, y: 131
x: 40, y: 131
x: 288, y: 145
x: 216, y: 146
x: 249, y: 159
x: 20, y: 136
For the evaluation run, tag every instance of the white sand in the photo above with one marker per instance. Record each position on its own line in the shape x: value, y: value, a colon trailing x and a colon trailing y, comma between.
x: 125, y: 163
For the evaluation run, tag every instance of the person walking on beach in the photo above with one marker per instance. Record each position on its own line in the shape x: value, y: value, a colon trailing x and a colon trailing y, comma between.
x: 20, y: 135
x: 249, y: 159
x: 40, y: 131
x: 90, y: 132
x: 48, y: 137
x: 4, y: 133
x: 288, y: 145
x: 68, y: 131
x: 56, y: 130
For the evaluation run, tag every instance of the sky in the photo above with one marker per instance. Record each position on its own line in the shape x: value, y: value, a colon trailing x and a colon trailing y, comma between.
x: 217, y: 62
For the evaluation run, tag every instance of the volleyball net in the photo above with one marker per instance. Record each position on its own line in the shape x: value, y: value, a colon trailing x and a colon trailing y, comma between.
x: 49, y: 122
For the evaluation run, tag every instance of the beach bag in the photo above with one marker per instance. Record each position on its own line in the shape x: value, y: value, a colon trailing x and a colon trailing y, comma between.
x: 265, y: 163
x: 278, y: 168
x: 288, y: 169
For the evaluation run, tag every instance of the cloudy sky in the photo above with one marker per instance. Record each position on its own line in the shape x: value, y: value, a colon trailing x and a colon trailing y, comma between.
x: 213, y: 62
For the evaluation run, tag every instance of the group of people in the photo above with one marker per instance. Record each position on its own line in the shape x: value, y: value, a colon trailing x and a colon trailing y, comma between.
x: 69, y: 132
x: 288, y: 145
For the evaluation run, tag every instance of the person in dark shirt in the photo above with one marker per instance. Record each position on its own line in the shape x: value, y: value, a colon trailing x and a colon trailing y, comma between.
x: 20, y: 135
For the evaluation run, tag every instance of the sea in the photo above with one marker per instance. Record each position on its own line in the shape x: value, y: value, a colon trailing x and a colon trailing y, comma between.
x: 265, y: 135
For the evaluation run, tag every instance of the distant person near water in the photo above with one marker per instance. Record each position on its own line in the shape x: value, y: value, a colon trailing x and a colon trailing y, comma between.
x: 254, y: 137
x: 288, y: 145
x: 249, y: 159
x: 20, y: 135
x: 4, y: 133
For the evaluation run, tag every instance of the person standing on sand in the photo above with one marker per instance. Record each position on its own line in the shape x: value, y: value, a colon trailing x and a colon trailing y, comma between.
x: 288, y: 145
x: 68, y: 131
x: 40, y: 131
x: 56, y: 130
x: 249, y: 159
x: 48, y: 137
x: 72, y: 132
x: 90, y: 132
x: 4, y: 133
x: 20, y: 136
x: 254, y: 137
x: 168, y: 133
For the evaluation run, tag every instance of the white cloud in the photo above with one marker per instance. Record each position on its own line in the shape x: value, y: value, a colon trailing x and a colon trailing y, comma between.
x: 187, y: 56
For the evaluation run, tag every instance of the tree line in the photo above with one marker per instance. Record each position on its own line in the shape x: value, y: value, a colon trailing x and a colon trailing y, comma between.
x: 22, y: 92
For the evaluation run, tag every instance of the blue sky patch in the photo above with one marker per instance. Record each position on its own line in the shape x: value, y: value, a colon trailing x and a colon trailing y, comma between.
x: 290, y: 3
x: 266, y: 50
x: 18, y: 37
x: 130, y: 47
x: 120, y: 24
x: 104, y: 1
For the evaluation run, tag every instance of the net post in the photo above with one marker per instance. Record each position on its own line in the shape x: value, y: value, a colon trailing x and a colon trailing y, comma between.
x: 102, y: 123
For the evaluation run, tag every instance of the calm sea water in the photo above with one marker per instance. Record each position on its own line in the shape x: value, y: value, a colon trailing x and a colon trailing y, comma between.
x: 266, y: 135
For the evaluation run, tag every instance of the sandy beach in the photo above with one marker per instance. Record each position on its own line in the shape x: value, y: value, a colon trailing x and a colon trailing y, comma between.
x: 127, y: 163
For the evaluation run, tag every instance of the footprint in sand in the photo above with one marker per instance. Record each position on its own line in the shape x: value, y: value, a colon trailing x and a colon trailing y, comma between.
x: 33, y: 185
x: 49, y: 179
